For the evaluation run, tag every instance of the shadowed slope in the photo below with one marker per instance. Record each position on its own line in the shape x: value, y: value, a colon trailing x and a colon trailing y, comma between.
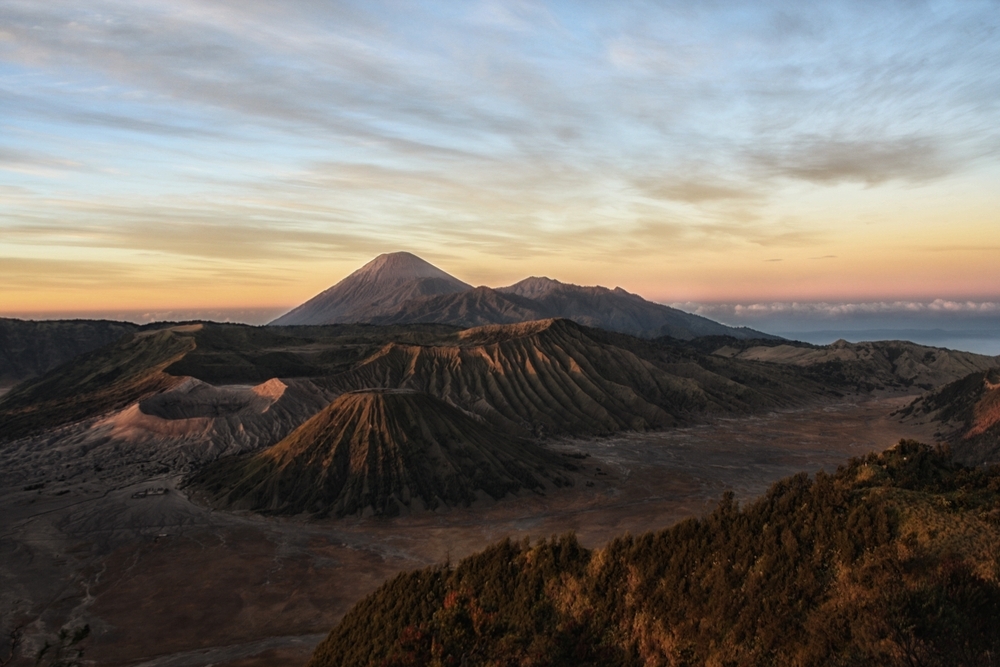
x: 969, y: 411
x: 554, y: 376
x: 378, y: 287
x: 29, y: 348
x: 473, y: 308
x: 99, y: 381
x: 375, y: 452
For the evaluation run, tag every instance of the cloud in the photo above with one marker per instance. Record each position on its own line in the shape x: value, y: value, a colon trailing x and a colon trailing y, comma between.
x: 835, y: 311
x: 13, y: 159
x: 828, y: 161
x: 695, y: 191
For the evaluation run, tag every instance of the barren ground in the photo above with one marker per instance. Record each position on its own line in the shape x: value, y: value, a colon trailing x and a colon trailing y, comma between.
x: 166, y: 582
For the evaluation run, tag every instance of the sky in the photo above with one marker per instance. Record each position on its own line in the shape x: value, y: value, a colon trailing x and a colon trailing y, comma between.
x: 185, y: 155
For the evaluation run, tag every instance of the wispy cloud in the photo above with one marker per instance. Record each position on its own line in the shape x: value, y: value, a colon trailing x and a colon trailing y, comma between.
x: 834, y: 311
x: 823, y: 160
x: 242, y: 132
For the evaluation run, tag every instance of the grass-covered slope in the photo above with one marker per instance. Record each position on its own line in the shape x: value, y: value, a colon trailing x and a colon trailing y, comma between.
x: 891, y: 561
x: 378, y: 451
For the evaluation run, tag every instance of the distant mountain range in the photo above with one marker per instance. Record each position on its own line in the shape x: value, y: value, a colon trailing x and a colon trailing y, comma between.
x: 401, y: 288
x: 29, y: 348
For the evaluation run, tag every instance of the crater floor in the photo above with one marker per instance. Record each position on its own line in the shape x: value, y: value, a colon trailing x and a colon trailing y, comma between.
x: 165, y: 581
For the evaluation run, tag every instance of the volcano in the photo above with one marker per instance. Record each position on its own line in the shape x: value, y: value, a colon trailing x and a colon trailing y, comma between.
x: 400, y: 288
x: 379, y: 287
x: 374, y: 452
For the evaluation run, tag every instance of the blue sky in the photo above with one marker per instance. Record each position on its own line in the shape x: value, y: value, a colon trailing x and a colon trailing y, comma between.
x: 249, y: 154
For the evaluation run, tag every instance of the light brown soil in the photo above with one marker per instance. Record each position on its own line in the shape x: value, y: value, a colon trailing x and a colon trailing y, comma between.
x: 164, y: 582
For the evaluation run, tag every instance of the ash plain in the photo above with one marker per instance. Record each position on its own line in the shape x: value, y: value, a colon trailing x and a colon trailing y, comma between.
x: 114, y: 541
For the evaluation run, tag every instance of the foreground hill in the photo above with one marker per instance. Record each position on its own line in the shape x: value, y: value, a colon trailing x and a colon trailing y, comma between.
x: 969, y: 412
x: 400, y: 288
x: 892, y: 561
x: 31, y: 348
x: 376, y: 452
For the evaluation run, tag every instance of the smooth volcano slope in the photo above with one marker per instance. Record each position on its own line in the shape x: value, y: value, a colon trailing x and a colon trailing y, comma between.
x: 401, y: 288
x: 376, y: 452
x: 377, y: 288
x: 544, y: 298
x: 477, y: 307
x: 969, y: 411
x: 556, y: 377
x: 619, y: 310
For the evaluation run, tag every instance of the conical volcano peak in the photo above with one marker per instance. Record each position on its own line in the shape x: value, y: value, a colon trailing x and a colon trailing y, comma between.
x: 400, y: 265
x: 381, y: 286
x: 378, y: 452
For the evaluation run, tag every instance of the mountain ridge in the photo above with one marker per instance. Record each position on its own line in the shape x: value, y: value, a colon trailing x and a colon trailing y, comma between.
x: 401, y: 288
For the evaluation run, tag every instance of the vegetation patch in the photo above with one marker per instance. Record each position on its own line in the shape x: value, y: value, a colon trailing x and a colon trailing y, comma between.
x: 871, y: 565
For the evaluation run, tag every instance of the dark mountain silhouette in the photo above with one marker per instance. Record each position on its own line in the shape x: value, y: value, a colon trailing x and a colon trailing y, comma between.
x: 30, y: 348
x: 400, y: 288
x: 375, y: 452
x: 377, y: 288
x: 618, y: 310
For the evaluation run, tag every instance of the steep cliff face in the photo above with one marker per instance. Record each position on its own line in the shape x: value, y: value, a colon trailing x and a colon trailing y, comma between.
x: 868, y: 365
x: 378, y: 452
